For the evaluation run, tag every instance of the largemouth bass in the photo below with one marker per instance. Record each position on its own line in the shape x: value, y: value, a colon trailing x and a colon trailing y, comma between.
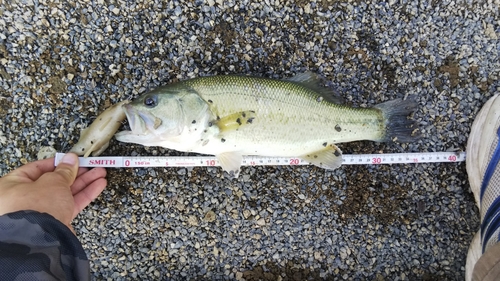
x: 230, y: 116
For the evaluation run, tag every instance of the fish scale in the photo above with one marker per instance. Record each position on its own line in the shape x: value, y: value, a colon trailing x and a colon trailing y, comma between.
x: 283, y: 115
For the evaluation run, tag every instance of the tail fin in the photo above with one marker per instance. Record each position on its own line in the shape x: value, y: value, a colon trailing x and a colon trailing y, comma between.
x: 398, y: 127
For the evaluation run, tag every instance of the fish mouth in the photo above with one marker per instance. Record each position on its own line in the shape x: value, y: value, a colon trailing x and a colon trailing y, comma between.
x: 140, y: 122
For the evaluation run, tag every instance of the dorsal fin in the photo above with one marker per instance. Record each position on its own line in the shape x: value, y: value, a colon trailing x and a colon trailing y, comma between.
x: 314, y: 82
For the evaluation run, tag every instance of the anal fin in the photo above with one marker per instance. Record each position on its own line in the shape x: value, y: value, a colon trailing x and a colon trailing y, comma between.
x: 328, y: 158
x: 230, y: 162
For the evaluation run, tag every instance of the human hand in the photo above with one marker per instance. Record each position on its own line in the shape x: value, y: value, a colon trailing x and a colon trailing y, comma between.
x: 61, y: 191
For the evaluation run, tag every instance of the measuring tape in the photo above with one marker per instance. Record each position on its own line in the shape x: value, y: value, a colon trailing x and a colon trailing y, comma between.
x: 211, y: 161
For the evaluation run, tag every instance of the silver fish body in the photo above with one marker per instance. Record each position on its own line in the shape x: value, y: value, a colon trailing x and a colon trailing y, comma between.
x: 229, y: 116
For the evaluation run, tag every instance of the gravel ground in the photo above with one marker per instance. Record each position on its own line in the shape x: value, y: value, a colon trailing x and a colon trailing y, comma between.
x: 63, y: 63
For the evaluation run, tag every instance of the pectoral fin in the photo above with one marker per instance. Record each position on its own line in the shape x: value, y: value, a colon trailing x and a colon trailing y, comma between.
x: 328, y: 158
x: 230, y: 162
x: 235, y: 121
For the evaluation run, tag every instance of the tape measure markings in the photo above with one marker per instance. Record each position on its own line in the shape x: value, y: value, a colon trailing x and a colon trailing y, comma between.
x: 211, y: 161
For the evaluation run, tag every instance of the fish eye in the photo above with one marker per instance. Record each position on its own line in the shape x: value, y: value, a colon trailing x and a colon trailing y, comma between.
x: 151, y: 101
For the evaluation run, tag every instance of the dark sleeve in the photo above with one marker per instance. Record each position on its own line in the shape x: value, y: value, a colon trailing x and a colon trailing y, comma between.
x: 36, y: 246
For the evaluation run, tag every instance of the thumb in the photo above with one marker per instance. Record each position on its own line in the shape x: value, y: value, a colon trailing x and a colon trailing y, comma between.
x: 68, y: 168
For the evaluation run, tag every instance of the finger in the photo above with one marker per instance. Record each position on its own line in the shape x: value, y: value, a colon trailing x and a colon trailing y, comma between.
x: 67, y: 169
x: 88, y: 194
x: 33, y: 170
x: 87, y: 178
x: 81, y: 171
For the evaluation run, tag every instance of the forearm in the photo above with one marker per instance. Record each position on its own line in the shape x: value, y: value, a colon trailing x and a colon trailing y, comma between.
x: 35, y: 246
